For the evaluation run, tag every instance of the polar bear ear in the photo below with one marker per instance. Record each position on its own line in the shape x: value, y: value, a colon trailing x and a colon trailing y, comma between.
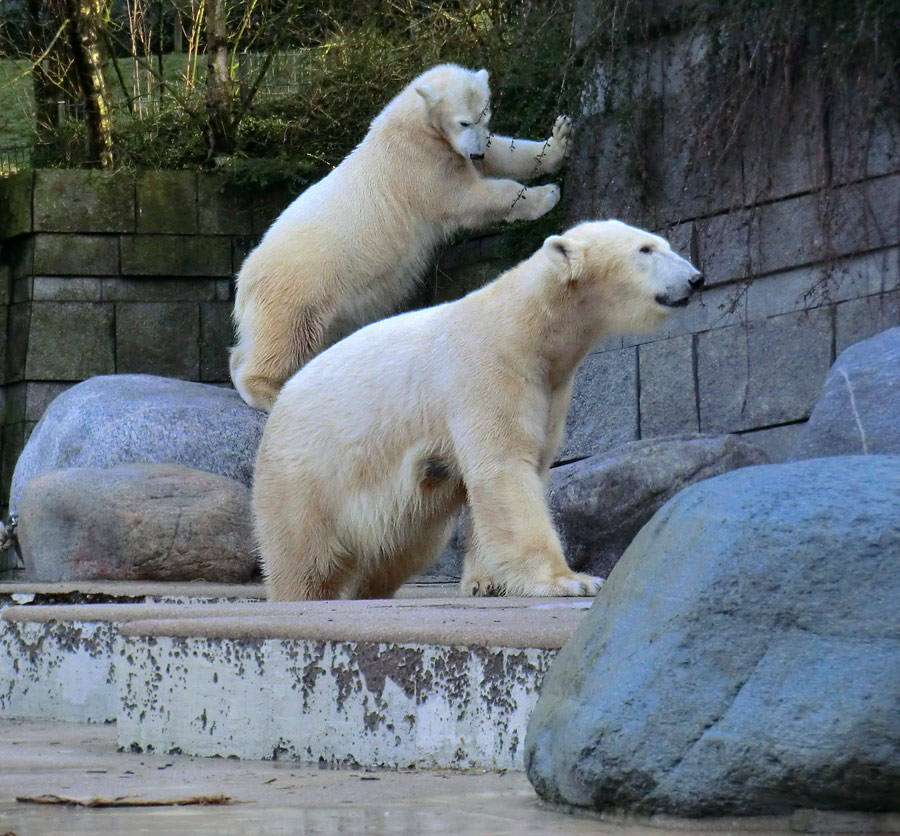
x: 482, y: 75
x: 566, y: 255
x: 429, y: 94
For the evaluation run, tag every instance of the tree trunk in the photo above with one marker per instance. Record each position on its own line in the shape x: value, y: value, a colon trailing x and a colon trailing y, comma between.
x: 85, y: 19
x: 219, y: 93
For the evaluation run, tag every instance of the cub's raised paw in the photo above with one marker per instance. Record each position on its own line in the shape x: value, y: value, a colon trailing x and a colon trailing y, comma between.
x: 562, y: 133
x: 557, y: 146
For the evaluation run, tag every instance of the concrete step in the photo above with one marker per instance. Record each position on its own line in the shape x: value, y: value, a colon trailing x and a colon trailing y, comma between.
x: 427, y: 679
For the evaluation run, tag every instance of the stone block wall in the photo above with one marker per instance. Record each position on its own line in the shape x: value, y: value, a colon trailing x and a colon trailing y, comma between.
x: 796, y: 229
x: 105, y: 274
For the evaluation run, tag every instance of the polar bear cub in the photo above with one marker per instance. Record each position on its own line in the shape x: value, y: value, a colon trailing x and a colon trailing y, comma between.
x: 349, y: 249
x: 375, y: 445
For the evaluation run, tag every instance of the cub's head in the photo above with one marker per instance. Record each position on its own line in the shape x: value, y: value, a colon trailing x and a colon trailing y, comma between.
x: 627, y: 280
x: 457, y: 105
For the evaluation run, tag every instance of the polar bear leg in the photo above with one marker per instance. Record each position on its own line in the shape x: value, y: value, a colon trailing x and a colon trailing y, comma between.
x: 527, y: 159
x: 261, y: 363
x: 515, y: 550
x: 490, y: 201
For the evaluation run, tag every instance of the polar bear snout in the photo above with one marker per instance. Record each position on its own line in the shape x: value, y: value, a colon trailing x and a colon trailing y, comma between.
x: 678, y: 278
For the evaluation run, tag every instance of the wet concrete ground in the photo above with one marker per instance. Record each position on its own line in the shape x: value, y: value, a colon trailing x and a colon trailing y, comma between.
x: 80, y: 761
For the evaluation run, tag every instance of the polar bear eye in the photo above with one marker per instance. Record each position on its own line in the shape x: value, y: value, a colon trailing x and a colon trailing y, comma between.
x: 646, y: 249
x: 465, y: 124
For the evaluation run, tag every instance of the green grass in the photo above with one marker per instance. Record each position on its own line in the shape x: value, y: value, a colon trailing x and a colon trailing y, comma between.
x: 16, y: 103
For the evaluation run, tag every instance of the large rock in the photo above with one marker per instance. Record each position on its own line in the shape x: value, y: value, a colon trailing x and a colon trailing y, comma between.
x: 744, y: 655
x: 136, y: 522
x: 859, y: 409
x: 120, y: 419
x: 600, y: 503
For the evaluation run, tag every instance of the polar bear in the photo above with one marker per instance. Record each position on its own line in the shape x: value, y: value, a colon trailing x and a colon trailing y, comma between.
x: 374, y: 446
x: 349, y: 249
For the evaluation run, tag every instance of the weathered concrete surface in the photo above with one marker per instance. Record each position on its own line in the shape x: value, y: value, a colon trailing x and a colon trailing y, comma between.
x: 350, y: 703
x: 412, y: 681
x: 274, y: 797
x: 744, y: 655
x: 59, y: 671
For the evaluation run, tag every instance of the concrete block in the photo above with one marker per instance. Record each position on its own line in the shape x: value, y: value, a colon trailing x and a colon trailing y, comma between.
x: 15, y: 204
x: 604, y: 409
x: 861, y: 148
x: 16, y: 403
x: 811, y: 287
x: 727, y: 248
x: 175, y: 255
x: 240, y: 249
x: 668, y: 402
x: 714, y: 307
x: 858, y: 319
x: 268, y: 204
x: 18, y: 321
x: 803, y: 230
x: 4, y: 310
x: 76, y: 255
x: 216, y: 338
x: 70, y: 289
x: 39, y: 395
x: 13, y: 442
x: 22, y: 289
x: 70, y: 341
x: 224, y: 290
x: 5, y: 284
x: 159, y: 290
x: 159, y: 338
x: 223, y: 209
x: 68, y: 200
x: 18, y: 256
x: 776, y: 441
x: 763, y: 374
x: 166, y: 201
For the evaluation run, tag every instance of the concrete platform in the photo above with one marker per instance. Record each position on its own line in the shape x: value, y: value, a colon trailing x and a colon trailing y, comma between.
x: 438, y: 681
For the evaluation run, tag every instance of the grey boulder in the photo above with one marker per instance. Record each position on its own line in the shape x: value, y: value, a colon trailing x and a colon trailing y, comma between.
x: 859, y: 408
x: 136, y: 522
x: 744, y: 655
x: 600, y: 503
x: 121, y: 419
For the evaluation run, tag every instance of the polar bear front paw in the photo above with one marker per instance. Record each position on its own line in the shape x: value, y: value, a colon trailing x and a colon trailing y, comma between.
x: 556, y: 149
x: 535, y: 202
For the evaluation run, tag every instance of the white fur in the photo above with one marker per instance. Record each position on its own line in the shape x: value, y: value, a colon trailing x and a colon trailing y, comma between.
x: 375, y: 445
x: 350, y: 248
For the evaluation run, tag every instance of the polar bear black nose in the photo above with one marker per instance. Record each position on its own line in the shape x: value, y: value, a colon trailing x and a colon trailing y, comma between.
x: 476, y: 156
x: 696, y: 281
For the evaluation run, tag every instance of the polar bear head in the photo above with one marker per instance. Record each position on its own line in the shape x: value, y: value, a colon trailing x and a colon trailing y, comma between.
x: 627, y: 280
x: 457, y: 106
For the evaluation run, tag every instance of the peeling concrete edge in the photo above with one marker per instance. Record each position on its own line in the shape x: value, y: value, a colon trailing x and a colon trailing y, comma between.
x: 545, y: 630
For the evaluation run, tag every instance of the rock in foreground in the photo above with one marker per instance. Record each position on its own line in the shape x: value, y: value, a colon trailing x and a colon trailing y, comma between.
x: 121, y: 419
x: 136, y: 522
x: 744, y: 655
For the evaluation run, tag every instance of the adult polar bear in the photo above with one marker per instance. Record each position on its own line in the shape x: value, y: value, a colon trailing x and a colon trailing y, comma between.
x: 349, y: 250
x: 375, y: 444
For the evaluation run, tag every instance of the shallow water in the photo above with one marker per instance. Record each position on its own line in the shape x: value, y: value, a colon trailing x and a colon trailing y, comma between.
x: 80, y: 762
